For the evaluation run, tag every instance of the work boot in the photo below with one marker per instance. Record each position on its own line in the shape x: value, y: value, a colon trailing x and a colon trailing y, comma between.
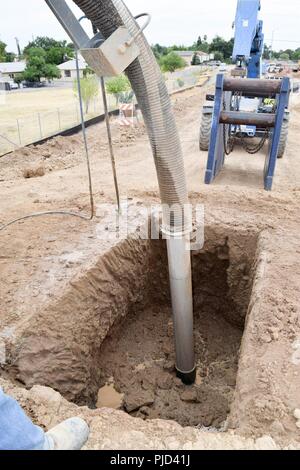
x: 71, y: 434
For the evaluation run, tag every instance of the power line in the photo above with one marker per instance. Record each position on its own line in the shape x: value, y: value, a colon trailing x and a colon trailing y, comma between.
x: 283, y: 40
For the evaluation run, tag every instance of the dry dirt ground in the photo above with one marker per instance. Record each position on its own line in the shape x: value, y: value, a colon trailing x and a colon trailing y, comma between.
x: 79, y: 310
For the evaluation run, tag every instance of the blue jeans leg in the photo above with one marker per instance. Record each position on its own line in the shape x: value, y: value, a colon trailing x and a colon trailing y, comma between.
x: 17, y: 432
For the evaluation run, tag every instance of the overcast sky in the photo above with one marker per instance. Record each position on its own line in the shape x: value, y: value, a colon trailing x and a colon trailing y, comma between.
x: 173, y: 21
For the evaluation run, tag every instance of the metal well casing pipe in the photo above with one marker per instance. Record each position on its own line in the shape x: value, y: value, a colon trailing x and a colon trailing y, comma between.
x: 179, y: 259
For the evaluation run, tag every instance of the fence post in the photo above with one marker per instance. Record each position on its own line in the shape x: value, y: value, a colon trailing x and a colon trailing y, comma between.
x: 19, y: 132
x: 40, y: 125
x: 59, y: 120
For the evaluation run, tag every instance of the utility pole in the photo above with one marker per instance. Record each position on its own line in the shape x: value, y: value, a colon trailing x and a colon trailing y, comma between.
x: 272, y: 43
x: 18, y: 47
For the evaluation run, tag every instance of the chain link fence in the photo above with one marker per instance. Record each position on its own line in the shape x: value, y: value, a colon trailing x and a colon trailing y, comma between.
x: 38, y: 126
x: 19, y: 132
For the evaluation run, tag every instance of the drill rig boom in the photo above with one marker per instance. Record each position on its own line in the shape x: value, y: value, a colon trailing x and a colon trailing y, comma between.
x: 249, y: 38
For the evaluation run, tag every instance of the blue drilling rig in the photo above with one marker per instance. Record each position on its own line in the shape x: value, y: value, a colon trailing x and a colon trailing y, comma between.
x: 246, y: 108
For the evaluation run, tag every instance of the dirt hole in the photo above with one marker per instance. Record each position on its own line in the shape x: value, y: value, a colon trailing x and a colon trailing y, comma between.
x: 136, y: 360
x: 108, y: 341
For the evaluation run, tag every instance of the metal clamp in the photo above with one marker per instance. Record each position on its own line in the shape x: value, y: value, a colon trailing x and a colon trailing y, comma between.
x: 122, y: 49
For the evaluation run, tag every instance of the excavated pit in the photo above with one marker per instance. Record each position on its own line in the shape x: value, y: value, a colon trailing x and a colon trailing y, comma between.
x: 113, y: 332
x: 137, y: 357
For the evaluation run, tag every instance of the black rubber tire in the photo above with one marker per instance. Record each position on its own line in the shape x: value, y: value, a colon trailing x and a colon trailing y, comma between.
x: 283, y: 138
x: 205, y: 130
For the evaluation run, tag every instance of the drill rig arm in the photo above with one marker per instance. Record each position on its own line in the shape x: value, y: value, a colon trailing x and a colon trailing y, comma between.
x: 249, y: 39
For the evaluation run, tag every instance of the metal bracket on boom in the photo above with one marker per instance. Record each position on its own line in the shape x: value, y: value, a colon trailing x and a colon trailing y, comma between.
x: 106, y: 57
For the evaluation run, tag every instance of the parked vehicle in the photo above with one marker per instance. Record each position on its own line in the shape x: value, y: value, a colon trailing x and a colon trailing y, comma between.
x: 35, y: 84
x: 8, y: 85
x: 14, y: 86
x: 223, y: 68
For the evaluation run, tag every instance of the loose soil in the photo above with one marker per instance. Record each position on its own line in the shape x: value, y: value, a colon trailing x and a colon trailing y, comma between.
x: 63, y: 290
x: 139, y: 356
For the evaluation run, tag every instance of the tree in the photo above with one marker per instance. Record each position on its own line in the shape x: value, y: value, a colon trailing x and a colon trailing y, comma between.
x: 2, y: 51
x: 89, y: 89
x: 37, y: 67
x: 267, y: 52
x: 10, y: 57
x: 219, y: 44
x: 199, y: 42
x: 57, y: 55
x: 218, y: 56
x: 159, y: 50
x: 6, y: 56
x: 156, y: 54
x: 117, y: 86
x: 284, y: 56
x: 172, y: 62
x: 51, y: 71
x: 176, y: 47
x: 221, y: 48
x: 88, y: 71
x: 57, y: 52
x: 196, y: 60
x: 296, y: 55
x: 18, y: 78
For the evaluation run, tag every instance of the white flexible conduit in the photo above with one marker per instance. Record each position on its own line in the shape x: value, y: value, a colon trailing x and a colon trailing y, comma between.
x: 153, y: 98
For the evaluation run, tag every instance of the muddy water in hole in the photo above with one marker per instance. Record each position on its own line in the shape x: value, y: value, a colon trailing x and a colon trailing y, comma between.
x: 108, y: 397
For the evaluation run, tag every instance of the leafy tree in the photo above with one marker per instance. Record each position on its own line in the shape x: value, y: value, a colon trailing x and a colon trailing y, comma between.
x: 57, y: 52
x: 10, y: 57
x: 219, y: 44
x: 199, y: 42
x: 89, y: 89
x: 218, y: 56
x: 57, y: 55
x: 181, y: 47
x: 117, y: 86
x: 284, y: 56
x: 156, y: 54
x: 88, y: 71
x: 221, y: 48
x: 51, y: 71
x: 6, y: 56
x: 2, y: 51
x: 159, y: 50
x: 18, y: 78
x: 196, y: 60
x: 267, y: 52
x: 289, y: 52
x: 37, y: 67
x: 172, y: 62
x: 296, y: 55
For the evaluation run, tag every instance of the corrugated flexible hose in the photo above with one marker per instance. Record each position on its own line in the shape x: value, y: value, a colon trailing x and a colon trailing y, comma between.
x: 153, y: 98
